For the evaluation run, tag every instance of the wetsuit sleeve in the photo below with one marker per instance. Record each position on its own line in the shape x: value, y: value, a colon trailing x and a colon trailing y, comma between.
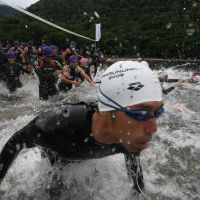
x: 134, y: 171
x: 13, y: 146
x: 172, y: 80
x: 40, y: 73
x: 168, y: 90
x: 59, y: 66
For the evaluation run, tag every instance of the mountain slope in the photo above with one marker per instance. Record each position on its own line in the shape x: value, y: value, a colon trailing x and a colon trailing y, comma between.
x: 149, y: 28
x: 6, y: 11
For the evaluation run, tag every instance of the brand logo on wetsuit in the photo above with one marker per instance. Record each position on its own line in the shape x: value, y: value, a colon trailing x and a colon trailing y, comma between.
x: 118, y: 73
x: 135, y: 86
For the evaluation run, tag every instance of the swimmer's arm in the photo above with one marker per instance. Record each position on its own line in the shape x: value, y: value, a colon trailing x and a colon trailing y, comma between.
x: 12, y: 148
x: 84, y: 75
x: 134, y: 171
x: 172, y: 80
x: 168, y: 90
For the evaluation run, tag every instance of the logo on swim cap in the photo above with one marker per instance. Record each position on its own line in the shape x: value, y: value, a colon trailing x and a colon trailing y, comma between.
x: 135, y: 86
x: 127, y: 83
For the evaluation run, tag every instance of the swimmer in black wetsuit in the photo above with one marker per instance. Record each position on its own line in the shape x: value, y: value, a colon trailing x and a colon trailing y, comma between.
x: 11, y: 72
x: 86, y: 131
x: 163, y: 77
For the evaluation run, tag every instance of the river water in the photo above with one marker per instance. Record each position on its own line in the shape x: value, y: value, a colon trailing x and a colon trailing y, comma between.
x: 171, y: 164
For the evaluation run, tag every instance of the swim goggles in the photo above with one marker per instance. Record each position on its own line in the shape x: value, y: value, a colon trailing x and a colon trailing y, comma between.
x: 137, y: 114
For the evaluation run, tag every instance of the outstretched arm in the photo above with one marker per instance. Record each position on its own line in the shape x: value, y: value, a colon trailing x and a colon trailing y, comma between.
x: 84, y: 75
x: 134, y: 171
x: 168, y: 90
x: 11, y: 149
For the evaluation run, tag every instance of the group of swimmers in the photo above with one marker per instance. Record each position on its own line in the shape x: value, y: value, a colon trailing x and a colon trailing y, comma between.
x: 122, y: 121
x: 70, y: 66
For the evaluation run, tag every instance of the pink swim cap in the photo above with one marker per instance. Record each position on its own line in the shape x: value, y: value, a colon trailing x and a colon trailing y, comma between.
x: 84, y: 60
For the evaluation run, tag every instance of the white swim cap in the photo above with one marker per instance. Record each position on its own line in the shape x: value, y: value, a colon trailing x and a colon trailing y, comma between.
x: 127, y: 83
x: 161, y: 73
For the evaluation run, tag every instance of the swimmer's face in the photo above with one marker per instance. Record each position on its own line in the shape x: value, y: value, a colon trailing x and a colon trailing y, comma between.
x: 132, y: 134
x: 11, y: 60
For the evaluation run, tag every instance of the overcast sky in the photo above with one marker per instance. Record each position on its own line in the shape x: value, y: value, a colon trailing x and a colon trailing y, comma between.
x: 20, y: 3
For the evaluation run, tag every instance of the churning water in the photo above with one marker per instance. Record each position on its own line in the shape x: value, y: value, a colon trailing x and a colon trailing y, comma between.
x: 171, y: 164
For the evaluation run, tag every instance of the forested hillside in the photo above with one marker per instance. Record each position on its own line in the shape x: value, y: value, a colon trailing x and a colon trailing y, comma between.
x: 146, y: 28
x: 6, y: 11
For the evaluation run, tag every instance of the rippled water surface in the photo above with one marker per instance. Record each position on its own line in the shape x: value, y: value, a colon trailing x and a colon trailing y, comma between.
x: 171, y: 164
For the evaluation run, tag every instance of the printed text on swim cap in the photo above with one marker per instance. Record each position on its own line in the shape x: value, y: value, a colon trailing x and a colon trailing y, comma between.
x: 118, y: 73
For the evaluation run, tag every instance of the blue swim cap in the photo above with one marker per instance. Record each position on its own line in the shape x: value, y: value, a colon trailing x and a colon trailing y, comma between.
x: 10, y: 54
x: 47, y: 51
x: 54, y: 47
x: 73, y: 58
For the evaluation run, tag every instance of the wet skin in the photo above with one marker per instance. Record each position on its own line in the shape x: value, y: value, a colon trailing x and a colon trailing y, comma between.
x: 133, y: 135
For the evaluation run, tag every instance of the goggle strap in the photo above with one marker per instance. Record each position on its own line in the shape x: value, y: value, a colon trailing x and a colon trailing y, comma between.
x: 110, y: 105
x: 114, y: 102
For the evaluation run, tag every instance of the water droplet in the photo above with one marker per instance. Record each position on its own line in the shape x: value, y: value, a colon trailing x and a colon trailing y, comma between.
x: 24, y: 145
x: 73, y: 144
x: 113, y: 115
x: 120, y: 140
x: 190, y: 25
x: 85, y: 13
x: 58, y: 123
x: 18, y: 147
x: 169, y: 25
x: 38, y: 135
x: 86, y: 139
x: 131, y: 185
x: 11, y: 151
x: 194, y: 4
x: 128, y: 142
x: 113, y: 150
x: 96, y: 14
x: 65, y: 114
x: 1, y: 166
x: 129, y: 122
x: 128, y: 133
x: 190, y: 31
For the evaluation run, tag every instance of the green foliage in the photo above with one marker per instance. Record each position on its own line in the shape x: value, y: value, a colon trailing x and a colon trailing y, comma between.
x: 136, y: 28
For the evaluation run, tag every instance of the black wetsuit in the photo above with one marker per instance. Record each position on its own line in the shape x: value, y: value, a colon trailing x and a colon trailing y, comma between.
x: 67, y: 132
x: 45, y: 70
x: 3, y: 60
x: 168, y: 90
x: 11, y: 74
x: 31, y: 55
